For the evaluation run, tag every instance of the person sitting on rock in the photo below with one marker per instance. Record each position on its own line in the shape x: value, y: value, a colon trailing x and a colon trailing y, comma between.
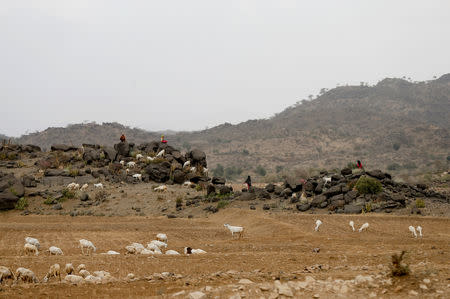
x: 163, y: 140
x: 359, y: 165
x: 122, y: 138
x: 248, y: 182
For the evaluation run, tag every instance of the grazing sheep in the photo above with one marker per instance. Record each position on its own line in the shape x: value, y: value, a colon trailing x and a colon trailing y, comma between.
x: 84, y: 187
x: 55, y: 271
x: 161, y: 237
x: 30, y: 248
x: 137, y: 176
x: 187, y: 164
x: 75, y: 279
x: 25, y: 275
x: 134, y: 248
x: 172, y: 252
x: 352, y: 224
x: 235, y: 229
x: 161, y: 154
x: 413, y: 231
x: 150, y: 158
x: 153, y: 247
x: 99, y: 185
x: 84, y: 273
x: 327, y: 180
x: 158, y: 243
x: 33, y: 241
x: 81, y: 267
x: 146, y: 251
x: 161, y: 188
x: 365, y: 226
x: 73, y: 186
x: 55, y: 250
x: 419, y: 229
x: 318, y: 224
x: 88, y: 245
x: 139, y: 156
x: 69, y: 269
x: 111, y: 252
x: 93, y: 279
x: 188, y: 184
x: 131, y: 164
x: 189, y: 250
x: 6, y: 273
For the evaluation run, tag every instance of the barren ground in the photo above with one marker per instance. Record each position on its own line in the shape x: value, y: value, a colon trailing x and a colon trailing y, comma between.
x: 275, y: 246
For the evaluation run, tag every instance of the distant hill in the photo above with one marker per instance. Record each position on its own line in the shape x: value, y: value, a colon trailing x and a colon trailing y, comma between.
x: 396, y: 124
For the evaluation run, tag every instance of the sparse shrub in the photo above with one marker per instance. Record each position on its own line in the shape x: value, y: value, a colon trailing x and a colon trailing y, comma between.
x: 396, y: 146
x: 13, y: 191
x: 397, y: 267
x: 21, y: 204
x: 179, y: 201
x: 410, y: 165
x: 279, y: 168
x: 101, y: 195
x: 393, y: 166
x: 3, y: 156
x: 351, y: 184
x: 245, y: 152
x: 420, y: 203
x: 260, y: 170
x: 218, y: 171
x: 73, y: 172
x: 102, y: 155
x: 368, y: 207
x: 198, y: 188
x: 222, y: 204
x: 68, y: 194
x: 351, y: 165
x: 49, y: 200
x: 367, y: 185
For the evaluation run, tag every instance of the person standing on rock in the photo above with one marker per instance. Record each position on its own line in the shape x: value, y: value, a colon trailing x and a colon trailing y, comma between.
x: 248, y: 182
x: 359, y: 165
x: 163, y: 140
x: 122, y: 138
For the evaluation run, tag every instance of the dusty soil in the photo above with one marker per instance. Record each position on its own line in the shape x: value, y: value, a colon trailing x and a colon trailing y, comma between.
x: 275, y: 246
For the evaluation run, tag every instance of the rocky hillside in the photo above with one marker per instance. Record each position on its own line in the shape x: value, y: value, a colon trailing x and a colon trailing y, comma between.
x: 395, y: 125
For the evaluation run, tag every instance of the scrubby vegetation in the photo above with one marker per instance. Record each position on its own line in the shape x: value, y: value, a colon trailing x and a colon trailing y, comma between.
x: 21, y: 204
x: 367, y: 185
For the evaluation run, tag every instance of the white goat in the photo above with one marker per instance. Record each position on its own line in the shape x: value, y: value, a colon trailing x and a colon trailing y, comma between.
x: 84, y: 187
x: 205, y: 172
x: 111, y: 252
x: 419, y: 229
x: 55, y: 250
x: 33, y: 241
x: 55, y: 271
x: 30, y: 248
x: 139, y: 156
x: 73, y: 186
x: 75, y: 279
x: 137, y: 176
x: 187, y: 184
x: 235, y: 229
x: 327, y: 180
x: 161, y: 188
x: 365, y: 226
x: 84, y: 273
x: 122, y: 162
x: 187, y: 164
x: 150, y: 158
x: 161, y: 237
x: 172, y: 252
x: 25, y: 275
x: 99, y: 185
x: 318, y: 224
x: 303, y: 198
x: 352, y: 224
x: 131, y: 164
x: 88, y: 245
x: 69, y: 269
x: 161, y: 154
x: 134, y: 248
x: 413, y: 231
x: 189, y: 250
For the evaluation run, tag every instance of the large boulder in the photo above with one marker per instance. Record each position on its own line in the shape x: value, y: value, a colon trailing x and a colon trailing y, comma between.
x: 346, y: 171
x: 159, y: 172
x: 303, y: 207
x: 261, y: 194
x: 110, y: 153
x: 123, y: 149
x: 63, y: 147
x: 90, y: 155
x: 270, y: 188
x: 11, y: 189
x: 29, y: 181
x: 318, y: 200
x: 223, y: 190
x: 294, y: 184
x: 352, y: 209
x: 179, y: 177
x: 378, y: 174
x: 334, y: 190
x: 218, y: 181
x: 246, y: 196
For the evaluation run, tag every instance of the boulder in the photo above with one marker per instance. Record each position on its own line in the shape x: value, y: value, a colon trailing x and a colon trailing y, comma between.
x: 287, y: 192
x: 334, y: 190
x: 378, y: 174
x: 7, y: 200
x: 90, y: 155
x: 123, y: 149
x: 303, y: 207
x: 223, y: 190
x: 270, y: 188
x: 218, y: 181
x: 352, y: 209
x: 63, y: 147
x: 179, y: 177
x: 210, y: 189
x: 29, y: 181
x: 159, y: 172
x: 84, y: 196
x: 110, y: 153
x: 53, y: 172
x: 346, y: 171
x: 246, y: 196
x: 310, y: 186
x: 350, y: 196
x: 261, y: 194
x: 294, y: 184
x: 278, y: 190
x: 319, y: 187
x: 197, y: 157
x: 318, y: 200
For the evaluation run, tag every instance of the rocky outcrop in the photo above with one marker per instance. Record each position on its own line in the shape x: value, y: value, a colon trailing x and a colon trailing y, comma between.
x: 11, y: 189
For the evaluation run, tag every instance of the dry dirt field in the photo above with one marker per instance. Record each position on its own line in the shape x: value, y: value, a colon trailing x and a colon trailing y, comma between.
x: 275, y: 246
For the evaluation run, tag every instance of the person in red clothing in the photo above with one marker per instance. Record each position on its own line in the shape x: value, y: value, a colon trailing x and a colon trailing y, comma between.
x: 359, y: 165
x: 122, y: 138
x: 163, y: 140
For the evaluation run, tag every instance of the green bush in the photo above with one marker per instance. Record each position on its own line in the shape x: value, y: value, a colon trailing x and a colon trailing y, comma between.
x: 21, y: 204
x: 420, y: 203
x: 68, y: 194
x: 49, y: 201
x: 260, y: 170
x: 368, y: 207
x: 222, y: 204
x: 396, y: 146
x: 367, y: 185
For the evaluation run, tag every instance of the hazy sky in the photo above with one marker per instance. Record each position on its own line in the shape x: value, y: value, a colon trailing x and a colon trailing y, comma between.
x: 185, y: 65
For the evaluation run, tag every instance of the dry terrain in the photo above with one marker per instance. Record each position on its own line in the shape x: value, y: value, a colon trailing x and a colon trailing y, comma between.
x: 275, y: 246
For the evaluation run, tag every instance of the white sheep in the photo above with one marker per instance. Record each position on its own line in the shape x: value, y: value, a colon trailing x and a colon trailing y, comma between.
x: 161, y: 188
x: 111, y: 252
x: 303, y: 198
x: 150, y: 158
x: 92, y: 279
x: 352, y: 224
x: 161, y: 154
x: 81, y: 267
x: 187, y: 184
x: 99, y: 185
x: 55, y: 271
x: 88, y: 245
x: 6, y: 273
x: 193, y: 169
x: 131, y: 164
x: 122, y: 162
x: 75, y: 279
x: 161, y: 237
x: 189, y: 250
x: 146, y: 251
x: 84, y: 187
x: 134, y: 248
x: 33, y: 241
x: 172, y: 252
x: 69, y: 269
x: 84, y: 273
x: 139, y: 156
x: 419, y: 229
x: 235, y: 229
x: 26, y: 275
x: 205, y: 172
x: 55, y: 250
x: 318, y: 224
x: 30, y: 248
x: 187, y: 164
x: 413, y: 231
x: 327, y: 180
x: 137, y: 176
x: 365, y: 226
x: 153, y: 247
x: 158, y: 243
x: 73, y: 186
